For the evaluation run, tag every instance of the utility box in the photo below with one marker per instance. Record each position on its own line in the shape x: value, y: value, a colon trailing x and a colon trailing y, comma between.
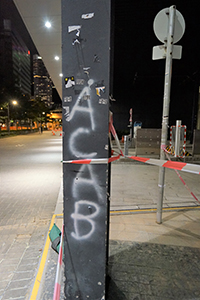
x: 148, y: 141
x: 86, y: 81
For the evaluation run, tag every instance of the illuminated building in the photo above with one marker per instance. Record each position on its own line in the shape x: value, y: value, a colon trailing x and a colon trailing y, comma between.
x: 15, y: 71
x: 42, y: 81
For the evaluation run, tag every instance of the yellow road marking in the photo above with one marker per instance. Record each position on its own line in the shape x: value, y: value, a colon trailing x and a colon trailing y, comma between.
x: 152, y: 209
x: 42, y: 263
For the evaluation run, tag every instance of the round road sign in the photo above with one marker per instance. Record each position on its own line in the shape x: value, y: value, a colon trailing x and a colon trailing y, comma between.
x: 161, y: 23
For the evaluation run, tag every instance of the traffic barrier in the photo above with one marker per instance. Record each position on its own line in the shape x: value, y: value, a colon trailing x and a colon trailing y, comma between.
x: 171, y: 151
x: 182, y: 154
x: 56, y: 295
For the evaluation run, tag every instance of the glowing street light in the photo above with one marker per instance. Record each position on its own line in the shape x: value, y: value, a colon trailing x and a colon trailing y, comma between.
x: 56, y: 57
x: 47, y: 24
x: 14, y: 102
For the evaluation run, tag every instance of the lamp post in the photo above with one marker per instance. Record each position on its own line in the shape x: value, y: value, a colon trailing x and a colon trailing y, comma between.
x: 14, y: 102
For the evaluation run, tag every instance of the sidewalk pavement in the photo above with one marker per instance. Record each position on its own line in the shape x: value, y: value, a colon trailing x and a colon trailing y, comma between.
x: 147, y: 261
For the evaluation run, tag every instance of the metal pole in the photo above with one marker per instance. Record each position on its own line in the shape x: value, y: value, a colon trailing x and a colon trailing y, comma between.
x: 126, y: 145
x: 131, y: 125
x: 177, y: 138
x: 166, y: 102
x: 8, y: 117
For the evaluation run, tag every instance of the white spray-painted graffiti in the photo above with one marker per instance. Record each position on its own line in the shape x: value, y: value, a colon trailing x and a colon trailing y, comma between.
x: 72, y: 143
x: 85, y: 94
x: 84, y: 223
x: 80, y: 183
x: 87, y: 218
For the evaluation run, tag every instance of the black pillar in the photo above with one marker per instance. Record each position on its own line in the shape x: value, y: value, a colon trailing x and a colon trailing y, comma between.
x: 86, y: 64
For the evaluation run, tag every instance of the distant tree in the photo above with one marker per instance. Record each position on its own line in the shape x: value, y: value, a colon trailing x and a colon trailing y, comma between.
x: 27, y: 108
x: 37, y: 110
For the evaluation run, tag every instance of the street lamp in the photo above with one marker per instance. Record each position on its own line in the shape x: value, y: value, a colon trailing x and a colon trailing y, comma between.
x: 14, y: 102
x: 47, y: 24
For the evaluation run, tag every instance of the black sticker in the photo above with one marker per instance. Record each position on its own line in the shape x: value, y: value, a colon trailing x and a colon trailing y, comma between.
x: 69, y: 82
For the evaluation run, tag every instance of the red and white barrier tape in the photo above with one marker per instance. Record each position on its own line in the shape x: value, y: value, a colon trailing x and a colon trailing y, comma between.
x: 112, y: 129
x: 182, y: 180
x: 56, y: 295
x: 191, y: 168
x: 93, y: 161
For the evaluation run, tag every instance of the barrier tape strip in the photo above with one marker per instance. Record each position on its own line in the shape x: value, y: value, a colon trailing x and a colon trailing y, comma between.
x: 56, y: 295
x: 93, y: 161
x: 182, y: 180
x: 191, y: 168
x: 112, y: 129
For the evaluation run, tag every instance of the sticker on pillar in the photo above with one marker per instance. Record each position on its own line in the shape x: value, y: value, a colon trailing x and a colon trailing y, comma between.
x: 66, y: 113
x: 103, y: 101
x: 80, y: 81
x: 96, y: 59
x: 68, y: 99
x: 75, y: 28
x: 99, y: 90
x: 69, y: 82
x: 86, y: 70
x: 76, y: 41
x: 87, y: 16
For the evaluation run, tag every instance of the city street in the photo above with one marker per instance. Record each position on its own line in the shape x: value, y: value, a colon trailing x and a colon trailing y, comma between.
x: 30, y: 179
x: 146, y: 260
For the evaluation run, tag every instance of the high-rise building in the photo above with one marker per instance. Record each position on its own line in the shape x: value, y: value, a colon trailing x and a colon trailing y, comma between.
x: 42, y: 81
x: 15, y: 62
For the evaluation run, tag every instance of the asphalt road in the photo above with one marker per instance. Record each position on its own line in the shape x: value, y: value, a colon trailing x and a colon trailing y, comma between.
x: 30, y: 178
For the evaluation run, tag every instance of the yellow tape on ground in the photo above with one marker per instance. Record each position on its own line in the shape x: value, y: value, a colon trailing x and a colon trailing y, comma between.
x: 42, y: 264
x: 146, y: 210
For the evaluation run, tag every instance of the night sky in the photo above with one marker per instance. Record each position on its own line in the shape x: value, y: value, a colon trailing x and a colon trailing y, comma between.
x: 138, y: 80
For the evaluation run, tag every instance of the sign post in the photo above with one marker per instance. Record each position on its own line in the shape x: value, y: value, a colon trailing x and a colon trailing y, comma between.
x: 169, y: 27
x: 131, y: 124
